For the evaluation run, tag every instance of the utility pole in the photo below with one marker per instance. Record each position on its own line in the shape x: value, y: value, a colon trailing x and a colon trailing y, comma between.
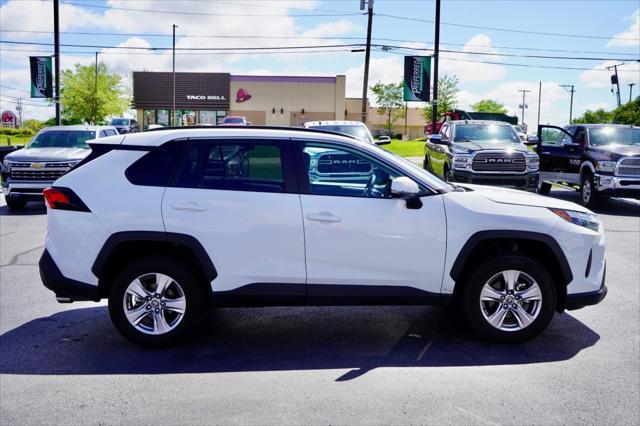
x: 56, y: 58
x: 524, y: 105
x: 173, y: 110
x: 95, y: 94
x: 615, y: 81
x: 539, y: 100
x: 19, y: 109
x: 367, y: 55
x: 631, y: 91
x: 436, y: 53
x: 571, y: 91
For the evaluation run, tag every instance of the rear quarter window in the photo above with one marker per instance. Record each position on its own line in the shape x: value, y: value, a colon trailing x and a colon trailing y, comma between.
x: 156, y: 167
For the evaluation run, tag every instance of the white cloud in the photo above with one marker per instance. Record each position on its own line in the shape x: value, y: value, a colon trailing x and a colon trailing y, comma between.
x: 466, y: 65
x: 631, y: 36
x: 600, y: 78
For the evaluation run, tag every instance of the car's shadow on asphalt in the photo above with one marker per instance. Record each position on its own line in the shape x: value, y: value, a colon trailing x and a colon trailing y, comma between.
x: 609, y: 206
x: 83, y: 342
x: 31, y: 209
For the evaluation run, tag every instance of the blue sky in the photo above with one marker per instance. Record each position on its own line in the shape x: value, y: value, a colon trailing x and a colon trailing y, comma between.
x: 600, y: 20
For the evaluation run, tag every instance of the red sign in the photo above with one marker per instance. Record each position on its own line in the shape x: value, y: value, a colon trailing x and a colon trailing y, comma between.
x: 242, y: 96
x: 8, y: 117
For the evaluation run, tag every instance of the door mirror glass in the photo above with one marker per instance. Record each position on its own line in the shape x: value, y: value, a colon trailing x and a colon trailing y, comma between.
x: 437, y: 139
x: 383, y: 140
x: 531, y: 140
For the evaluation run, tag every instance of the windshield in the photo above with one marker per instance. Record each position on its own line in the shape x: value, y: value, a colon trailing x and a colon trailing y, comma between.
x: 360, y: 132
x: 614, y: 136
x: 120, y: 122
x: 62, y: 139
x: 234, y: 120
x: 485, y: 133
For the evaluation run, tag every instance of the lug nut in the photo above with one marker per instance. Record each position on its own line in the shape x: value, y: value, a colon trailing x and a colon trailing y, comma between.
x: 148, y: 307
x: 162, y: 303
x: 157, y: 311
x: 148, y: 297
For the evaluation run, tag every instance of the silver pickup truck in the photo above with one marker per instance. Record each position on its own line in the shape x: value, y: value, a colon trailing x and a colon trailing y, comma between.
x: 50, y: 154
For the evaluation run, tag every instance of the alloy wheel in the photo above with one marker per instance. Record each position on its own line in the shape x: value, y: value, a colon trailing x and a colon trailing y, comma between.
x: 154, y: 303
x: 510, y: 300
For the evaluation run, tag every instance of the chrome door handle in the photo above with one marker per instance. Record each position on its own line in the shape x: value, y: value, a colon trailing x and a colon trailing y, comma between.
x: 190, y: 206
x: 546, y: 153
x: 324, y: 217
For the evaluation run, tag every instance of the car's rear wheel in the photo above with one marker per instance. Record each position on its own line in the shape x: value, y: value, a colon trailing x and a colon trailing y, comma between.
x: 588, y: 191
x: 509, y: 299
x: 155, y: 302
x: 543, y: 188
x: 15, y: 204
x: 447, y: 174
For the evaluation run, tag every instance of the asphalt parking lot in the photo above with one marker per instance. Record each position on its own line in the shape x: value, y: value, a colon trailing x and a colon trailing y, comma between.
x: 66, y: 364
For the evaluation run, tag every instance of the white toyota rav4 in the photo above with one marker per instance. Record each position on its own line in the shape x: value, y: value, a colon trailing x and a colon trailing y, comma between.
x: 165, y: 223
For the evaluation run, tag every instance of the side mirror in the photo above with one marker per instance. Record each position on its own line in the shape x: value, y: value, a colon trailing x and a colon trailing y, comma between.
x: 383, y: 140
x: 531, y: 140
x: 406, y: 189
x: 437, y: 139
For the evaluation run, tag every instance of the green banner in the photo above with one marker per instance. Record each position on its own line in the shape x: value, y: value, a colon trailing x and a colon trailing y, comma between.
x: 41, y: 77
x: 417, y: 76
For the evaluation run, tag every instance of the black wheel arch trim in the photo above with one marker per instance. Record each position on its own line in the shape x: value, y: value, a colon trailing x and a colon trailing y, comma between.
x: 479, y: 237
x: 98, y: 267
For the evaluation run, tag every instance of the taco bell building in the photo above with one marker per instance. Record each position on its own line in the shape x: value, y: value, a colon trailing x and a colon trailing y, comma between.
x: 206, y: 98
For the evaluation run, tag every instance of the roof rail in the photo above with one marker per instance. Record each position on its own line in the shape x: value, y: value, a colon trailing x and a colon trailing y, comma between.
x: 291, y: 129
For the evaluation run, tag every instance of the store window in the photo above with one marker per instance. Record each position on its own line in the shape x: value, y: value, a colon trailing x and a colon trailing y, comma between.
x: 211, y: 117
x: 149, y: 117
x: 162, y: 117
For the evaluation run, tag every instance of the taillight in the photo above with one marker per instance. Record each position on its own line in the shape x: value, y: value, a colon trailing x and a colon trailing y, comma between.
x: 64, y: 199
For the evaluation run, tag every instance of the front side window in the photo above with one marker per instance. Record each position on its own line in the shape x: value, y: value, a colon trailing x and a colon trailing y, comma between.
x: 62, y: 139
x: 341, y: 172
x: 233, y: 166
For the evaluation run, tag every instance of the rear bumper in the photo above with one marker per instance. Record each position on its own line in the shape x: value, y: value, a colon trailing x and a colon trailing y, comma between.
x: 63, y: 287
x: 527, y: 181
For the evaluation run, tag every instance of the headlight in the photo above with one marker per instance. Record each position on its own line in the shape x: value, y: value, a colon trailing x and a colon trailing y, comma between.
x: 605, y: 166
x: 588, y: 220
x: 533, y: 162
x: 461, y: 162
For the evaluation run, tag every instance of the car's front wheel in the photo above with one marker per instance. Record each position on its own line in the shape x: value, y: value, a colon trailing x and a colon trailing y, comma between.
x: 509, y: 299
x: 543, y: 188
x: 588, y: 191
x: 155, y: 302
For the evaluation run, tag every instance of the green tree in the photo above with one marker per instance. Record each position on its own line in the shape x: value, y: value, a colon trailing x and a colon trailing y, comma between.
x: 595, y: 117
x: 447, y: 97
x: 489, y: 105
x: 32, y: 124
x: 389, y: 99
x: 628, y: 113
x: 78, y: 95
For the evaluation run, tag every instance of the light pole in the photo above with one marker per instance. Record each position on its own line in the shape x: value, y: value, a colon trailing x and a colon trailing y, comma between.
x: 173, y: 110
x: 56, y: 57
x: 524, y: 105
x: 95, y: 94
x: 569, y: 88
x: 367, y: 55
x: 436, y: 54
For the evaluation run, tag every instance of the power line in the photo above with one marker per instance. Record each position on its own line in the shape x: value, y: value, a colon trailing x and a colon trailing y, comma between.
x: 511, y: 30
x: 14, y: 88
x: 242, y: 37
x: 171, y: 12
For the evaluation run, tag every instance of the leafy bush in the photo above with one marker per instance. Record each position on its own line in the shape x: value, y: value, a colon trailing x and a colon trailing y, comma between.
x: 16, y: 132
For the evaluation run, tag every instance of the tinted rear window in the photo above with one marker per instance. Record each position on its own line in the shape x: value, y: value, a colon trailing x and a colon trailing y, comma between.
x: 156, y: 167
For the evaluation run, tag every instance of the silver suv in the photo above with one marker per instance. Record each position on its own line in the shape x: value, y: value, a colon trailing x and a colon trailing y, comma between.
x: 49, y: 155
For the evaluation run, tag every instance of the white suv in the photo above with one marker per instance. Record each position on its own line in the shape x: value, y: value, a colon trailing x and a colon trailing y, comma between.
x: 167, y: 222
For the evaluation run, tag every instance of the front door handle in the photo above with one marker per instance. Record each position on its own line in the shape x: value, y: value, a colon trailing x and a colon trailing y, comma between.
x: 190, y: 206
x: 324, y: 217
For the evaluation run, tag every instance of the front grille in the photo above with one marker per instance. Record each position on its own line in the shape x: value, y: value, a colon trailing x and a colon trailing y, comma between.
x: 343, y: 163
x: 629, y: 167
x: 32, y: 174
x: 499, y: 162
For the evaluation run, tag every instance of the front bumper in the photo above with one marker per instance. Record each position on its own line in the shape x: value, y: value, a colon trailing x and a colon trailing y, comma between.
x: 580, y: 300
x: 66, y: 289
x: 618, y: 186
x: 27, y: 191
x: 526, y: 181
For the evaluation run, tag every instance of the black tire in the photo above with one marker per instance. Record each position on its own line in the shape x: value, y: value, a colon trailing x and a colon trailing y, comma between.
x: 425, y: 163
x: 543, y: 188
x: 482, y: 274
x: 188, y: 283
x: 589, y: 196
x: 15, y: 204
x: 447, y: 174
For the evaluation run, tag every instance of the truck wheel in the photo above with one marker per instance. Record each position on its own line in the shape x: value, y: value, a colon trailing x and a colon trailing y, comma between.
x: 544, y: 188
x: 15, y: 204
x: 447, y: 174
x: 155, y: 302
x: 509, y: 299
x: 588, y: 191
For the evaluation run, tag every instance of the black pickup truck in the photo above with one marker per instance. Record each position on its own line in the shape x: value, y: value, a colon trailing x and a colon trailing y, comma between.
x: 599, y: 160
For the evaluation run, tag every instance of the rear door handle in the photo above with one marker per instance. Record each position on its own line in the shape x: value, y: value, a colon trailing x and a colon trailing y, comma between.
x: 324, y: 217
x: 190, y: 206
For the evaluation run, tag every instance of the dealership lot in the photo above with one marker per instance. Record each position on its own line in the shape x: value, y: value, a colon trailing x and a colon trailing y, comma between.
x: 67, y: 364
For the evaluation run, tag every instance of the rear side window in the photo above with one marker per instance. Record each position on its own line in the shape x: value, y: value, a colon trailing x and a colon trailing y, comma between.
x: 233, y: 166
x: 156, y: 167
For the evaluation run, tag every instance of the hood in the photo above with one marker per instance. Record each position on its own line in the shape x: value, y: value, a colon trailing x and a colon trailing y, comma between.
x: 48, y: 154
x: 469, y: 147
x: 615, y: 150
x: 522, y: 198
